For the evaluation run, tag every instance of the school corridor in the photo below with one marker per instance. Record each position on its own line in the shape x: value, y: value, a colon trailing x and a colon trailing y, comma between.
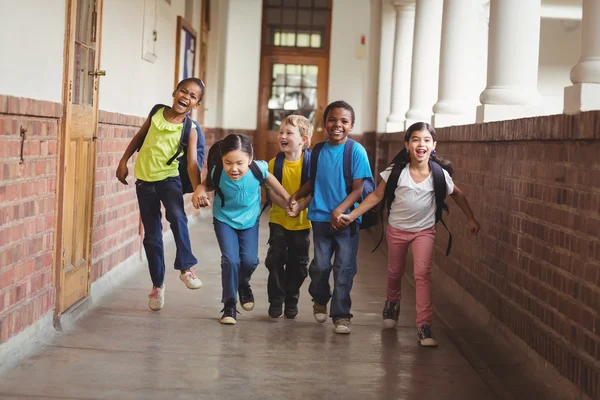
x: 120, y: 349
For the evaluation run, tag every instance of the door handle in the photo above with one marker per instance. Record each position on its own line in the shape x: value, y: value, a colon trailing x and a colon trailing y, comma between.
x: 99, y: 72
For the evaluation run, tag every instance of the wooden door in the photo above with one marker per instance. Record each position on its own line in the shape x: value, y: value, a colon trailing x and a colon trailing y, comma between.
x: 204, y: 38
x: 290, y: 84
x: 78, y: 158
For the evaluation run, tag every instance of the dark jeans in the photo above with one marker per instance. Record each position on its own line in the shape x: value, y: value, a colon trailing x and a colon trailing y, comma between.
x: 150, y: 195
x: 239, y: 257
x: 287, y: 262
x: 344, y: 247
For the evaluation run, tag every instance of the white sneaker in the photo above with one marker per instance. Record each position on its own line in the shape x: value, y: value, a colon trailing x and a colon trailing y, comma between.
x: 156, y: 298
x: 319, y: 312
x: 342, y: 325
x: 190, y: 279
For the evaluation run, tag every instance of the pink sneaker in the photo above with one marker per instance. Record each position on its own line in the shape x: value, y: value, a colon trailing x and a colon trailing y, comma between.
x: 190, y: 279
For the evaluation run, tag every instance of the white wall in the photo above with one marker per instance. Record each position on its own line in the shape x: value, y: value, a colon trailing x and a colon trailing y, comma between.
x: 215, y: 81
x: 32, y: 44
x: 133, y: 85
x: 347, y: 73
x: 242, y: 64
x: 560, y: 49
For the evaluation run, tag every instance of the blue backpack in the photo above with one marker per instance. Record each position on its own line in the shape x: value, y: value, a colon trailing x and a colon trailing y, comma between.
x: 370, y: 218
x: 186, y: 184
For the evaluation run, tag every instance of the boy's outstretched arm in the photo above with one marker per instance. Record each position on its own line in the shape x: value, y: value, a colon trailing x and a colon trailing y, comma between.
x: 369, y: 202
x: 353, y: 197
x: 460, y: 199
x: 277, y: 199
x: 193, y: 169
x: 136, y: 141
x: 304, y: 191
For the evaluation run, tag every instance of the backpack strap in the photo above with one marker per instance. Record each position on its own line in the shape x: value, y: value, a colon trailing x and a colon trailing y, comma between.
x: 347, y: 161
x: 153, y: 111
x: 314, y: 162
x: 278, y: 166
x: 305, y: 167
x: 439, y: 189
x: 263, y: 182
x: 216, y: 179
x: 392, y: 184
x: 183, y: 139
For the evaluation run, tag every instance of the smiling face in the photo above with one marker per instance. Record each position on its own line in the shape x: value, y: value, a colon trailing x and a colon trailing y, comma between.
x: 290, y: 139
x: 419, y: 145
x: 236, y: 163
x: 338, y: 125
x: 186, y: 97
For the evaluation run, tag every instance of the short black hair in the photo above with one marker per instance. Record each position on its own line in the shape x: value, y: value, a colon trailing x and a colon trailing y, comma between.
x: 338, y: 104
x: 198, y: 82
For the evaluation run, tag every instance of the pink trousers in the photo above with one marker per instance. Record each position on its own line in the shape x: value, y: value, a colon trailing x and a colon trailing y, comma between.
x: 422, y: 247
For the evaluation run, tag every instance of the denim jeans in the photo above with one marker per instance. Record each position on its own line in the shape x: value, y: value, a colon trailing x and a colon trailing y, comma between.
x: 239, y: 257
x: 287, y: 262
x: 343, y: 246
x: 150, y: 195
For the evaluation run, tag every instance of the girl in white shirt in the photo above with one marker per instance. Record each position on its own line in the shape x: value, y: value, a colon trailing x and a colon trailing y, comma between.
x: 412, y: 221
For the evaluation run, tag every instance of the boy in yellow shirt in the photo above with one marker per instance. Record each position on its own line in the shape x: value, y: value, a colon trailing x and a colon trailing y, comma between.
x: 289, y: 238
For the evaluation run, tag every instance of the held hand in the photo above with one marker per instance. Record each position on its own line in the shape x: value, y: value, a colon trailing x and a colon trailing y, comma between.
x: 293, y: 211
x: 475, y: 227
x: 122, y: 172
x: 345, y: 220
x: 335, y: 223
x: 200, y: 198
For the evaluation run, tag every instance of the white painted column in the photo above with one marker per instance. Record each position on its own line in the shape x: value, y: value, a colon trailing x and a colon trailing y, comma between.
x: 386, y: 60
x: 513, y: 57
x: 584, y: 94
x: 403, y: 48
x: 463, y: 62
x: 425, y: 61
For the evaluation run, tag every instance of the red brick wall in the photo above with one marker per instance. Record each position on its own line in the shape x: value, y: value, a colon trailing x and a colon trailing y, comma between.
x: 534, y: 185
x: 27, y: 204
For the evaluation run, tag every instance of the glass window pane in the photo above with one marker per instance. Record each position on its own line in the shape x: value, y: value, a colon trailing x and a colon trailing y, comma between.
x: 279, y: 74
x: 79, y: 61
x: 303, y: 40
x: 321, y: 4
x: 305, y: 3
x: 83, y: 21
x: 274, y: 2
x: 320, y: 18
x: 290, y: 3
x: 89, y: 87
x: 276, y: 38
x: 315, y: 40
x: 289, y: 18
x: 304, y: 19
x: 273, y: 16
x: 289, y: 39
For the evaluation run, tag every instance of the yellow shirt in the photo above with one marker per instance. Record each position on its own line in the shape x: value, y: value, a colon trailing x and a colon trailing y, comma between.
x: 159, y: 146
x: 292, y: 174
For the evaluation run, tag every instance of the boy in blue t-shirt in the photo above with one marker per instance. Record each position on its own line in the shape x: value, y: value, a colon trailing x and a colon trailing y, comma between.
x: 329, y: 201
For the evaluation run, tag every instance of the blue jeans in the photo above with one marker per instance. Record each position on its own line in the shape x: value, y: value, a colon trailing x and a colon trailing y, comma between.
x: 344, y: 247
x: 170, y: 193
x: 239, y: 257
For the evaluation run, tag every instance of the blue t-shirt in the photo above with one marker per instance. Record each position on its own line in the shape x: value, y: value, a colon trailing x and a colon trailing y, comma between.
x: 242, y: 199
x: 329, y: 185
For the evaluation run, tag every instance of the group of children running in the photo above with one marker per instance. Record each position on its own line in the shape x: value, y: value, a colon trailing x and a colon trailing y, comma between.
x: 306, y: 191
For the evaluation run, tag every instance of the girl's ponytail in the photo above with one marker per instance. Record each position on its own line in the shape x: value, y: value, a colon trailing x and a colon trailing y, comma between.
x: 446, y: 164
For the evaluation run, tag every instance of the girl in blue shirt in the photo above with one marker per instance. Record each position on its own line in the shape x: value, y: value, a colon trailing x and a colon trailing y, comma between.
x: 236, y: 219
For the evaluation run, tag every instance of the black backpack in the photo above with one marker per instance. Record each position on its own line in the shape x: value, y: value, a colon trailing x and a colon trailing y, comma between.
x: 439, y: 189
x: 214, y: 178
x: 370, y: 218
x: 186, y: 184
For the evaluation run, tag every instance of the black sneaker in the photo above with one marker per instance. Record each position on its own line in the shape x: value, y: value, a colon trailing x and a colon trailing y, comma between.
x: 275, y: 310
x: 246, y: 298
x: 426, y: 336
x: 291, y: 310
x: 391, y: 311
x: 229, y: 314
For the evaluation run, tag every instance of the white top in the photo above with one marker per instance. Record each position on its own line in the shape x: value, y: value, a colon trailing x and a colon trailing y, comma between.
x: 413, y: 208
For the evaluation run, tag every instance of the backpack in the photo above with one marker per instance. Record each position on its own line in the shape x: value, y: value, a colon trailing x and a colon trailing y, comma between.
x: 370, y: 218
x: 186, y: 183
x: 439, y: 189
x: 214, y: 178
x: 278, y: 171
